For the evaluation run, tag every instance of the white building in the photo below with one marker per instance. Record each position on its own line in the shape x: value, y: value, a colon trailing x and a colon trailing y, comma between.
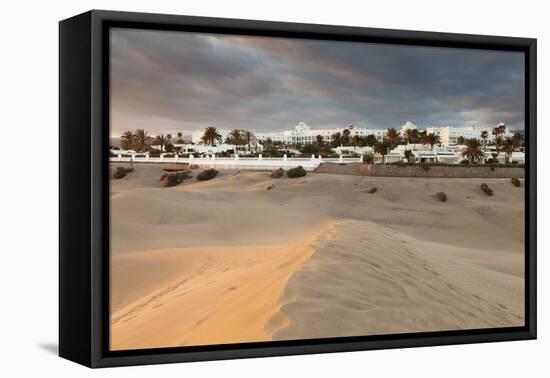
x: 407, y: 126
x: 303, y: 134
x: 449, y: 135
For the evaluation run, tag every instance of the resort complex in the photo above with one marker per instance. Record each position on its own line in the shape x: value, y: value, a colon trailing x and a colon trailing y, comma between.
x: 303, y: 134
x: 407, y: 144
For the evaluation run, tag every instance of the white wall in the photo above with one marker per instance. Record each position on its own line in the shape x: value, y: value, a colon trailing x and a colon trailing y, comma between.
x: 28, y: 269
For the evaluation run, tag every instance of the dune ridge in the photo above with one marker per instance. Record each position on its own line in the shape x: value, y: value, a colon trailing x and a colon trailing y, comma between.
x: 209, y: 295
x: 370, y: 279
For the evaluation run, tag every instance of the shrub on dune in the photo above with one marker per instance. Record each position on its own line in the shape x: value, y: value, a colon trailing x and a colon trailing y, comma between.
x: 175, y: 178
x: 207, y: 174
x: 372, y: 190
x: 485, y: 188
x: 296, y: 172
x: 277, y: 173
x: 441, y: 196
x: 269, y: 187
x: 119, y: 173
x: 516, y: 182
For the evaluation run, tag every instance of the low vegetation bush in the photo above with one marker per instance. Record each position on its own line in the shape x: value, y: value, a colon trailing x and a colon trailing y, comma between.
x: 154, y: 153
x: 193, y: 166
x: 441, y: 196
x: 174, y: 178
x: 516, y: 182
x: 207, y: 174
x: 425, y: 166
x: 269, y: 187
x: 372, y: 190
x: 277, y: 173
x: 485, y: 188
x: 119, y: 173
x: 465, y: 162
x: 296, y: 172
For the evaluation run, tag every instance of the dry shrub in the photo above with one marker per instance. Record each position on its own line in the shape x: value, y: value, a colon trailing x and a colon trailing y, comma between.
x: 516, y: 182
x: 296, y: 172
x: 175, y: 178
x: 485, y: 188
x: 207, y: 174
x: 277, y: 173
x: 119, y: 173
x: 441, y: 196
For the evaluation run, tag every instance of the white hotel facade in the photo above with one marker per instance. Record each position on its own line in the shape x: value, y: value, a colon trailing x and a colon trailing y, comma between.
x: 449, y: 135
x: 303, y: 134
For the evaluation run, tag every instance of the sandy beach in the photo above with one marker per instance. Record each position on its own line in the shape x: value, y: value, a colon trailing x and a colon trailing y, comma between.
x: 228, y: 261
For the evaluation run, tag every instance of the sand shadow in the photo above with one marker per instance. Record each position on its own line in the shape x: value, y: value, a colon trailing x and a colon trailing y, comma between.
x: 51, y: 348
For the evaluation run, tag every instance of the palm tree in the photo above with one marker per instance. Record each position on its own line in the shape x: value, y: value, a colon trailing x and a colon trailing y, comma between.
x: 180, y: 138
x: 160, y: 140
x: 381, y: 147
x: 411, y: 136
x: 460, y: 140
x: 499, y: 144
x: 472, y: 151
x: 336, y: 139
x: 128, y: 140
x: 484, y: 136
x: 370, y: 140
x: 345, y: 136
x: 319, y: 140
x: 498, y: 140
x: 143, y: 140
x: 235, y: 137
x: 249, y: 138
x: 499, y: 130
x: 356, y: 140
x: 508, y: 146
x: 211, y: 136
x: 392, y: 135
x: 431, y: 139
x: 267, y: 143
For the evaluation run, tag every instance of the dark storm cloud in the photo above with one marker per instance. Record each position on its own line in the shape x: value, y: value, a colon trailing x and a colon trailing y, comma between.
x: 173, y: 81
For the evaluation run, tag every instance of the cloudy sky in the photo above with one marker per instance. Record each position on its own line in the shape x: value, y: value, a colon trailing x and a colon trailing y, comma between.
x: 175, y: 81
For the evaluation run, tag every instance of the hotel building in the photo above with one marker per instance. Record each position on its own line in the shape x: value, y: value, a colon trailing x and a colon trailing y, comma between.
x: 449, y: 135
x: 303, y: 134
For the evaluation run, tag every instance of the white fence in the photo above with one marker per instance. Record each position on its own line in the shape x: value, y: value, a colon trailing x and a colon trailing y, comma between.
x: 240, y: 163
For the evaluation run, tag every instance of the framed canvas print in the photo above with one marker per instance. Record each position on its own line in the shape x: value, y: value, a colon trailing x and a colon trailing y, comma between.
x: 233, y: 188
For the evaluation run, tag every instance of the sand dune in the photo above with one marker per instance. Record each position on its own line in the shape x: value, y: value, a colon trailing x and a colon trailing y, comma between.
x: 228, y: 261
x: 218, y: 295
x: 369, y: 279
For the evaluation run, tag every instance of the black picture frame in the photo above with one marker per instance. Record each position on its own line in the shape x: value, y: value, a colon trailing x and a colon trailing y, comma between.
x: 84, y: 188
